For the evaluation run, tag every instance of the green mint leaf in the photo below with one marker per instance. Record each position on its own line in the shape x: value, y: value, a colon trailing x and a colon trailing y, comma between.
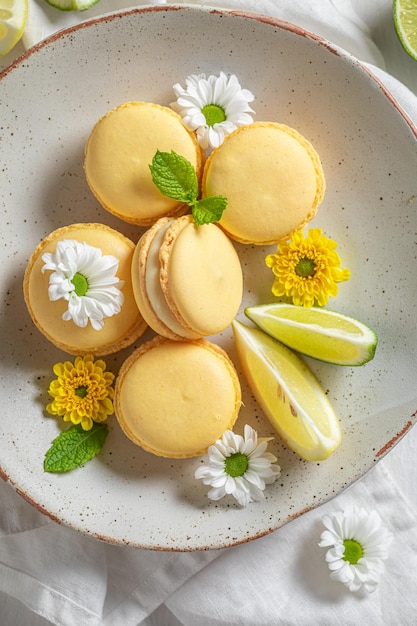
x: 74, y: 447
x: 209, y: 209
x: 174, y: 176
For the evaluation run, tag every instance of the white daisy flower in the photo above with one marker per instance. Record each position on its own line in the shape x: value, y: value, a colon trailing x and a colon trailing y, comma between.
x: 239, y: 466
x: 213, y: 107
x: 86, y: 279
x: 358, y: 546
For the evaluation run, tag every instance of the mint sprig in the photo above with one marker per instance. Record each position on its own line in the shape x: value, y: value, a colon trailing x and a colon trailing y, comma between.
x: 209, y: 209
x: 74, y: 447
x: 176, y: 178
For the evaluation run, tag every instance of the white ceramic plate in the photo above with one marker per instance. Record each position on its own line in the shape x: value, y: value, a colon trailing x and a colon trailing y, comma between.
x: 49, y: 101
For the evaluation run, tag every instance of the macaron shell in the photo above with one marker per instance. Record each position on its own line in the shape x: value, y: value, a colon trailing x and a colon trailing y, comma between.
x: 118, y: 153
x: 146, y: 284
x: 119, y: 331
x: 138, y: 271
x: 272, y: 178
x: 201, y: 276
x: 176, y: 398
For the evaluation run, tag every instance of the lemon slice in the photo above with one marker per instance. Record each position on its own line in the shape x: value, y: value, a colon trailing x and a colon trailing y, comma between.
x: 13, y: 16
x: 405, y: 21
x: 288, y: 393
x: 319, y: 333
x: 72, y: 5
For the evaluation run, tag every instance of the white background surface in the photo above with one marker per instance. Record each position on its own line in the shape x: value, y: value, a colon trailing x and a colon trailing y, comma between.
x: 50, y: 574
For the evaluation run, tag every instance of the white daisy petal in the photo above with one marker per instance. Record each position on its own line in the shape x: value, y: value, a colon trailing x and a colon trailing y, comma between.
x: 254, y: 479
x: 243, y: 498
x: 270, y: 457
x: 215, y: 135
x: 242, y: 491
x: 231, y: 441
x: 259, y: 450
x: 335, y: 554
x: 221, y: 91
x: 250, y: 433
x: 260, y: 464
x: 250, y: 485
x: 103, y: 297
x: 202, y: 137
x: 275, y: 473
x: 216, y: 494
x: 244, y: 119
x: 366, y: 530
x: 230, y: 485
x: 247, y: 95
x: 217, y: 453
x: 222, y: 481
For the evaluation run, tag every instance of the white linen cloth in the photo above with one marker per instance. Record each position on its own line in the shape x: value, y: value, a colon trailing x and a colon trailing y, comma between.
x: 50, y: 574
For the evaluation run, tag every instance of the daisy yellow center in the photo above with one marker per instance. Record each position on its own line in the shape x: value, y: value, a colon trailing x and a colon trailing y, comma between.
x: 81, y: 391
x: 214, y: 114
x: 305, y: 267
x: 80, y: 284
x: 353, y: 551
x: 236, y: 464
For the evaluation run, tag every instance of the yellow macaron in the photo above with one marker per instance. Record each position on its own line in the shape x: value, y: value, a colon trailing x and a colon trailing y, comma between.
x: 118, y: 153
x: 176, y: 398
x: 272, y: 178
x: 187, y: 279
x: 121, y: 327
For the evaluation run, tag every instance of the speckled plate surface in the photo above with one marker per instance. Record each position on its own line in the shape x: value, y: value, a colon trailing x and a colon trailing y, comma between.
x: 49, y: 101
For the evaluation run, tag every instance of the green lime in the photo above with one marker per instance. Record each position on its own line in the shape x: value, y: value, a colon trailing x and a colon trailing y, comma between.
x: 317, y: 332
x: 405, y: 21
x: 72, y: 5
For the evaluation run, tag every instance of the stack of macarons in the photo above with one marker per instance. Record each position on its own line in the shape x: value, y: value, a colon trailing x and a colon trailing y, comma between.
x: 187, y: 279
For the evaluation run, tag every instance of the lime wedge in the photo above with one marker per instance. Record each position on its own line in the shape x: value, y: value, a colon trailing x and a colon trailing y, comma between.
x: 405, y: 22
x: 316, y: 332
x: 72, y: 5
x: 13, y: 16
x: 288, y: 393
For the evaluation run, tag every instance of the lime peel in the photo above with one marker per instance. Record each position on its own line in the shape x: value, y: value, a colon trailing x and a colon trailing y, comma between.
x: 72, y: 5
x: 288, y: 393
x: 405, y: 22
x: 316, y: 332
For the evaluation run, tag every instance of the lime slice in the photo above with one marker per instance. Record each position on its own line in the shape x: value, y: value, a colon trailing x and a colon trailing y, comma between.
x: 319, y: 333
x: 288, y: 393
x: 13, y: 16
x: 405, y: 21
x: 72, y: 5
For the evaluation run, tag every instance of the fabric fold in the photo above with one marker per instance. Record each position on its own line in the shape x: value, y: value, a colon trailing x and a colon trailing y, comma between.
x: 283, y: 580
x: 69, y: 578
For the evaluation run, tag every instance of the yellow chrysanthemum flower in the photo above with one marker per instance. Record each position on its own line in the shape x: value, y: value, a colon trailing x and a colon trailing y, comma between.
x: 307, y: 269
x: 82, y: 392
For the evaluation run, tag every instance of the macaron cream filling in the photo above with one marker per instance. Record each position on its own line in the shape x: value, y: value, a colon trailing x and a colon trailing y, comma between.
x: 153, y: 284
